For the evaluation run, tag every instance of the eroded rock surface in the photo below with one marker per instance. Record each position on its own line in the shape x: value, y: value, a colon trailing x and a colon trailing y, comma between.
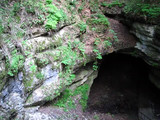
x: 38, y: 67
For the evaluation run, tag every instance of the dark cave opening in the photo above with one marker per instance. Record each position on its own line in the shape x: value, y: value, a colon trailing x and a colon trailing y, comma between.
x: 123, y: 87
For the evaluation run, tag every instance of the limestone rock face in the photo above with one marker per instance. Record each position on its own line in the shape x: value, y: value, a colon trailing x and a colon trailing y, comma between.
x: 47, y: 91
x: 148, y: 42
x: 53, y: 85
x: 149, y: 46
x: 38, y: 116
x: 70, y: 49
x: 12, y: 97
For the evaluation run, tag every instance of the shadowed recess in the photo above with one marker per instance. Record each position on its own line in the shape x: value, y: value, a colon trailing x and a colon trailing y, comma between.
x: 123, y: 88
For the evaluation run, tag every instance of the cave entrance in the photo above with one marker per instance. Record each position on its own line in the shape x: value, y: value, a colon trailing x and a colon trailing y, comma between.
x: 123, y: 90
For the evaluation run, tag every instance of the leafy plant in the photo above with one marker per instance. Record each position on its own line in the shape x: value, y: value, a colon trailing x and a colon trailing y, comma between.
x: 143, y: 9
x: 82, y: 26
x: 95, y: 66
x: 33, y: 67
x: 100, y: 19
x: 99, y: 56
x: 114, y: 3
x: 16, y: 63
x: 29, y: 6
x: 83, y: 91
x: 66, y: 101
x: 68, y: 55
x: 114, y: 35
x: 107, y: 43
x: 20, y: 34
x: 49, y: 1
x: 54, y: 17
x: 81, y: 7
x: 16, y: 8
x: 1, y: 27
x: 96, y: 117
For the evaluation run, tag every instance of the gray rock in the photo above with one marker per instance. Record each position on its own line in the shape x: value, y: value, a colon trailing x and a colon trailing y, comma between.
x: 47, y: 91
x: 38, y: 116
x: 2, y: 75
x: 12, y: 97
x: 146, y: 44
x: 38, y: 44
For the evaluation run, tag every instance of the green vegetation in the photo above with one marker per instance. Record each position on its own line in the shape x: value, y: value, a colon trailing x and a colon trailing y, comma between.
x: 99, y: 56
x: 95, y: 50
x: 38, y: 10
x: 1, y: 118
x: 94, y: 6
x: 107, y: 43
x: 54, y: 16
x: 68, y: 58
x: 15, y: 64
x: 99, y: 19
x: 40, y: 76
x: 33, y: 68
x: 98, y: 23
x: 69, y: 55
x: 28, y: 83
x: 66, y: 100
x: 95, y: 65
x: 1, y: 27
x: 49, y: 1
x: 81, y: 7
x: 96, y: 117
x: 41, y: 62
x: 83, y: 91
x: 143, y: 9
x: 114, y: 35
x: 82, y: 26
x: 113, y: 4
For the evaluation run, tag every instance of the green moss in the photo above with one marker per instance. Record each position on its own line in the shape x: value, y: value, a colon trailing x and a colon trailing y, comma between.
x: 28, y: 84
x: 66, y: 100
x: 2, y: 74
x: 83, y: 91
x: 41, y: 62
x: 39, y: 76
x: 2, y: 80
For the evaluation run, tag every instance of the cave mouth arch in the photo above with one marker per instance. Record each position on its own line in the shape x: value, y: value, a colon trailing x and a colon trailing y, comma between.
x: 123, y: 88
